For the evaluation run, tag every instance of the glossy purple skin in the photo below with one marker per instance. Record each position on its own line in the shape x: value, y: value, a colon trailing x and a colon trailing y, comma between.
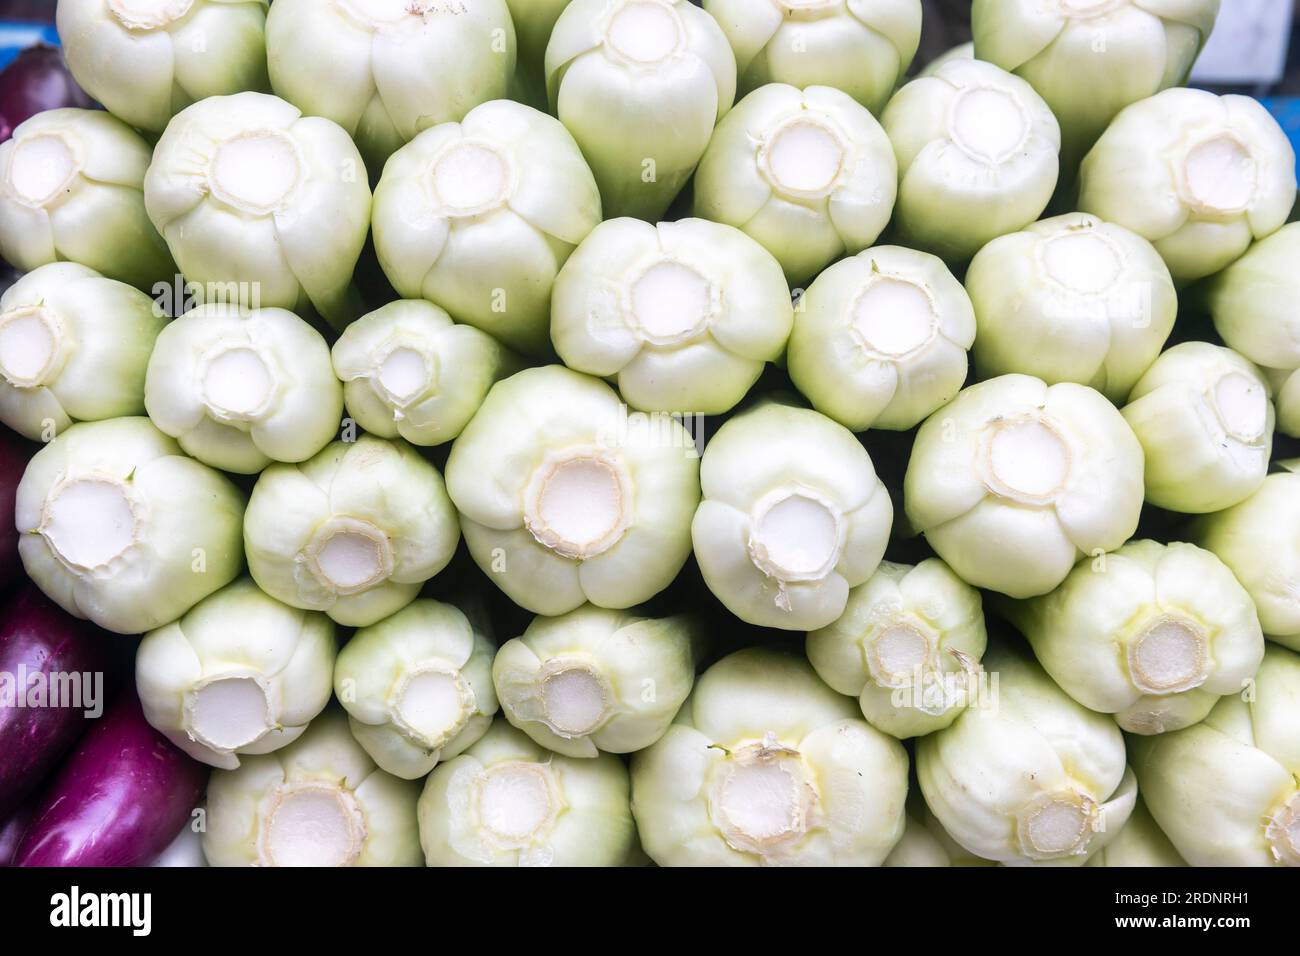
x: 119, y: 800
x: 36, y: 635
x: 36, y: 81
x: 11, y: 834
x: 14, y: 455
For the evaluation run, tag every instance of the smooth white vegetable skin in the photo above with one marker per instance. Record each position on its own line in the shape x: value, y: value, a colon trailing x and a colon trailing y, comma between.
x: 145, y: 61
x: 925, y: 843
x: 766, y: 765
x: 321, y: 801
x: 565, y: 498
x: 1259, y: 539
x: 73, y: 347
x: 962, y: 51
x: 977, y: 154
x: 240, y: 673
x: 1140, y: 843
x: 242, y: 388
x: 1014, y: 480
x: 1091, y: 59
x: 260, y: 204
x: 1151, y: 633
x: 71, y: 186
x: 478, y: 217
x: 861, y: 47
x: 1200, y: 176
x: 408, y: 371
x: 640, y: 84
x: 1226, y: 791
x: 596, y: 680
x: 1031, y: 777
x: 509, y: 802
x: 1203, y: 416
x: 880, y: 340
x: 808, y: 173
x: 386, y: 71
x: 417, y: 687
x: 1252, y: 303
x: 1071, y: 299
x: 683, y: 314
x: 119, y: 527
x: 793, y: 516
x: 354, y: 531
x: 908, y: 646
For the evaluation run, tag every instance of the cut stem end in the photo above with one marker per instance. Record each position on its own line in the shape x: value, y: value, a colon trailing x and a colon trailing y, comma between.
x: 312, y: 824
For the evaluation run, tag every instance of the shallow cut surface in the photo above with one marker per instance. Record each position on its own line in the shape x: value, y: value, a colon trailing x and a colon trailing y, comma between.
x: 1029, y: 458
x: 230, y: 713
x: 41, y: 168
x: 1220, y: 174
x: 404, y: 374
x: 671, y: 301
x: 804, y: 157
x: 28, y: 345
x: 1057, y: 828
x: 1082, y: 262
x: 988, y: 124
x: 470, y: 177
x: 149, y: 14
x: 432, y: 706
x: 578, y: 507
x: 894, y: 317
x: 89, y: 522
x: 798, y: 536
x: 351, y: 559
x: 574, y: 700
x: 898, y: 652
x: 1170, y: 656
x: 514, y: 802
x: 762, y: 800
x: 237, y: 382
x: 254, y: 171
x: 643, y: 32
x: 314, y: 826
x: 1242, y: 406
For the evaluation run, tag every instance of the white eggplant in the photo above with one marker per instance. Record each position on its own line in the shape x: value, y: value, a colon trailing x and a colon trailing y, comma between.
x: 186, y: 851
x: 1227, y: 791
x: 119, y: 527
x: 239, y: 674
x: 1015, y: 480
x: 1203, y: 416
x: 1252, y: 303
x: 766, y: 765
x: 908, y: 646
x: 478, y: 217
x: 597, y: 680
x: 683, y: 314
x: 408, y: 371
x: 640, y: 84
x: 977, y: 154
x: 261, y: 205
x: 417, y: 687
x: 321, y: 801
x: 793, y: 516
x: 1030, y: 778
x: 808, y: 173
x: 880, y: 339
x: 962, y: 51
x: 1091, y: 58
x: 862, y: 47
x: 1140, y: 843
x: 1152, y: 633
x: 386, y: 69
x: 925, y: 844
x: 239, y: 389
x: 565, y: 498
x: 1259, y: 539
x: 534, y: 20
x: 1200, y: 176
x: 1071, y: 299
x: 146, y: 59
x: 71, y: 188
x: 509, y: 802
x: 354, y: 531
x: 74, y: 346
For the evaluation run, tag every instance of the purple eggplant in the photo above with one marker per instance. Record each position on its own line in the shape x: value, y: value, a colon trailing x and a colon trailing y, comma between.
x: 11, y: 834
x: 36, y: 81
x: 118, y: 800
x: 14, y: 455
x: 51, y: 677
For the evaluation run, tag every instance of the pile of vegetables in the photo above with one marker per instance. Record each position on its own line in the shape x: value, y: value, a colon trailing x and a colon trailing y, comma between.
x: 614, y: 432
